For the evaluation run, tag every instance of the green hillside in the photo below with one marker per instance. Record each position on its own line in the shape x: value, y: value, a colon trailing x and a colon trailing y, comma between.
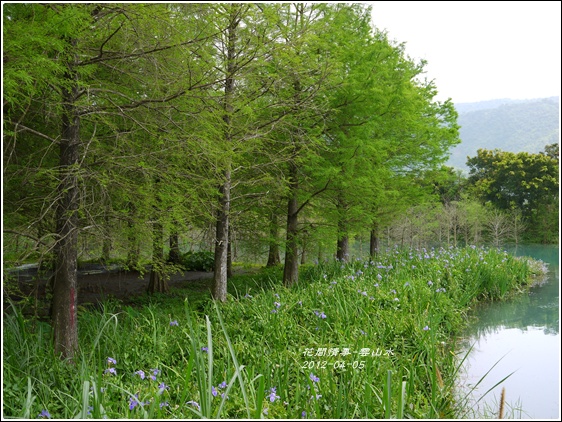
x: 509, y: 125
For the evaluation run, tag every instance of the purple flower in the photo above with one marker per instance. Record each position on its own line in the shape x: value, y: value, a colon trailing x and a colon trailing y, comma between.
x: 110, y: 371
x: 194, y: 404
x: 174, y: 322
x: 303, y: 414
x: 133, y: 402
x: 430, y: 283
x: 44, y: 414
x: 426, y: 328
x: 277, y: 304
x: 163, y: 387
x: 314, y: 378
x: 223, y: 384
x: 248, y: 296
x: 320, y: 314
x: 140, y: 374
x: 205, y: 349
x: 155, y: 372
x: 111, y: 361
x: 214, y: 391
x: 164, y: 404
x: 274, y: 311
x: 273, y: 394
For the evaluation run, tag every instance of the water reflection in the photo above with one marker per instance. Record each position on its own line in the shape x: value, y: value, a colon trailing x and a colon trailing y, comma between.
x: 518, y: 337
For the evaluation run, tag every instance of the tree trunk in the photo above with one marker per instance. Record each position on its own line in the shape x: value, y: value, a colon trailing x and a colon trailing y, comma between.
x: 374, y: 242
x: 273, y: 256
x: 221, y: 242
x: 291, y: 268
x: 174, y: 255
x: 229, y: 254
x: 342, y: 253
x: 342, y: 247
x: 65, y: 293
x: 132, y: 237
x: 106, y: 248
x: 303, y: 251
x: 157, y: 283
x: 222, y: 226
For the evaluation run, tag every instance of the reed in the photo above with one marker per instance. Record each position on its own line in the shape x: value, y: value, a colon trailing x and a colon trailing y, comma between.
x: 502, y: 404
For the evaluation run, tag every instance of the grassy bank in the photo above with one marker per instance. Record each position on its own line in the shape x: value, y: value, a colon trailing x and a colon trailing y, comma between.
x: 357, y: 340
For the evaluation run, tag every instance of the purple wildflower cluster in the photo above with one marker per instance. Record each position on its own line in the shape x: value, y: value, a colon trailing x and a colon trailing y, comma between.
x: 216, y: 390
x: 44, y: 414
x: 134, y: 402
x: 320, y: 315
x: 154, y: 373
x: 273, y: 394
x: 315, y: 380
x: 111, y: 370
x: 194, y: 404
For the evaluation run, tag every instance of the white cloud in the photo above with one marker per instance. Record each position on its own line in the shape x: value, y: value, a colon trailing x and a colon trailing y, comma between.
x: 480, y: 50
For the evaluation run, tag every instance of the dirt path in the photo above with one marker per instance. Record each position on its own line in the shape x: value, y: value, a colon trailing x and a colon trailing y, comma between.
x: 97, y: 283
x: 124, y: 285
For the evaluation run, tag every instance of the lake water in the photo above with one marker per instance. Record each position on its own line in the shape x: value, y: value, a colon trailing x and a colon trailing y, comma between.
x: 520, y: 337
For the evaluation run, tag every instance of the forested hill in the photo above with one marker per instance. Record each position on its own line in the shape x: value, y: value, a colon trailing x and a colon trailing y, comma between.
x: 509, y: 125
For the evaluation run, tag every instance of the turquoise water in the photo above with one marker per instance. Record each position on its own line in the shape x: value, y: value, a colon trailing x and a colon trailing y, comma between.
x: 520, y: 337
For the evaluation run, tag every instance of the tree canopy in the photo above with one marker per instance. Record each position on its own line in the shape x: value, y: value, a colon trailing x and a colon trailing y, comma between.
x: 129, y: 124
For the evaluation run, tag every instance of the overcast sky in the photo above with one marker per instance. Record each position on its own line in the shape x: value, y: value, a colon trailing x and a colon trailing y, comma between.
x: 480, y: 50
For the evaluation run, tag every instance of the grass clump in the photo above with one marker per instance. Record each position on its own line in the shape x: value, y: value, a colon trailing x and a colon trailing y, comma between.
x: 365, y: 339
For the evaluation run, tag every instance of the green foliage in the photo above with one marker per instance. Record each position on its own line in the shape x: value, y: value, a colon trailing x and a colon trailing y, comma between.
x: 198, y: 261
x: 523, y: 181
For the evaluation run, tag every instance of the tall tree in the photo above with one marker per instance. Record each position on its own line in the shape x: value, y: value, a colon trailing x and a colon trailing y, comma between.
x: 304, y: 66
x: 243, y: 49
x: 90, y: 60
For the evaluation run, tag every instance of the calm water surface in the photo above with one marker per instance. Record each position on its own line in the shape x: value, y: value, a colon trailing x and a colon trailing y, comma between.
x: 520, y: 337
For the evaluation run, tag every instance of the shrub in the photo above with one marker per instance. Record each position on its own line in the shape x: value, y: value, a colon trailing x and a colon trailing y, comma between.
x: 198, y: 261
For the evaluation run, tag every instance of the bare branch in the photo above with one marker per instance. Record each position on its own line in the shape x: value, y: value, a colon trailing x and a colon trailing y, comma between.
x: 25, y: 128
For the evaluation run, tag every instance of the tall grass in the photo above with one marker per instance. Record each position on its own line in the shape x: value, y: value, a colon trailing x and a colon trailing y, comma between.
x: 372, y: 339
